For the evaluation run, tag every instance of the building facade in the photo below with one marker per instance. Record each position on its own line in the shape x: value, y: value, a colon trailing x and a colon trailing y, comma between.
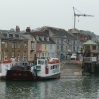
x: 42, y: 43
x: 14, y: 45
x: 63, y: 39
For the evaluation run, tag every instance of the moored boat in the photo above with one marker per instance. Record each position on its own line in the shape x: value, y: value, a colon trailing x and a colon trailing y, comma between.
x: 44, y: 69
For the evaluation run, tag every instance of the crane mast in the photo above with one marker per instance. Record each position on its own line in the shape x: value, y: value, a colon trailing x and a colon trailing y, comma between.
x: 78, y: 15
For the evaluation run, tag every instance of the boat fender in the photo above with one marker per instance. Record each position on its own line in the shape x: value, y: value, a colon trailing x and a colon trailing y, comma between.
x: 46, y: 70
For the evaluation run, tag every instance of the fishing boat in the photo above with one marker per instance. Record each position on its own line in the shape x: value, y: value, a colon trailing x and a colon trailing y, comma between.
x: 44, y: 69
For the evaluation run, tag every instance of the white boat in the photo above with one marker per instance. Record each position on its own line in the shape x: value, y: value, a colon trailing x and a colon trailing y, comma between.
x: 47, y: 69
x: 6, y: 65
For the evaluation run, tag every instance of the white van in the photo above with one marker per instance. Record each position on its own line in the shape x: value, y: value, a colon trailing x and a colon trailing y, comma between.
x: 74, y: 57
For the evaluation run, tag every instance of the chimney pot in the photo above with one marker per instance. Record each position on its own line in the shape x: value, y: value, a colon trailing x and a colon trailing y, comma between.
x: 28, y: 29
x: 17, y: 29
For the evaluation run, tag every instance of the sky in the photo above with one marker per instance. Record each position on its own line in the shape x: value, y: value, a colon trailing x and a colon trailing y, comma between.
x: 54, y: 13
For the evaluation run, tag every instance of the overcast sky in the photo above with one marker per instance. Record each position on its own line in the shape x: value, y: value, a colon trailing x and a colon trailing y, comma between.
x: 54, y: 13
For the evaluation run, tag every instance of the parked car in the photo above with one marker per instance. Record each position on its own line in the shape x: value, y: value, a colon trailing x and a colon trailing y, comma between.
x: 74, y: 57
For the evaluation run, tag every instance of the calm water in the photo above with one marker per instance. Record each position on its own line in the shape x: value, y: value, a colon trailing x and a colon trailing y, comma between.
x: 68, y: 87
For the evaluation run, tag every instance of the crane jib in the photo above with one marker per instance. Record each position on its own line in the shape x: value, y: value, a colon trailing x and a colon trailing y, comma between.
x: 83, y: 15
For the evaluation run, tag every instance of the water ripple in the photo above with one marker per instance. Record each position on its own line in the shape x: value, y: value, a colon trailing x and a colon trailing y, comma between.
x: 67, y: 87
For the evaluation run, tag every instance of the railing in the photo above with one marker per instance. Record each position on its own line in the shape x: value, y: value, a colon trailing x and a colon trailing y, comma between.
x: 90, y: 59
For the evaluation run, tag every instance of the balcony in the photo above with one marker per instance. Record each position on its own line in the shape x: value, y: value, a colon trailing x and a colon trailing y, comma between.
x: 32, y: 49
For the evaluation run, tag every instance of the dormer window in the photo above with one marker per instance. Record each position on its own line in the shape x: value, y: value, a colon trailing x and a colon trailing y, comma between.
x: 47, y: 38
x: 7, y: 34
x: 10, y: 35
x: 42, y: 38
x: 17, y: 35
x: 37, y: 37
x: 13, y: 35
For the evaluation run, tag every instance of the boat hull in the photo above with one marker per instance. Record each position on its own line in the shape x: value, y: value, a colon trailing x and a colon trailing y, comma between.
x: 55, y: 76
x: 26, y: 76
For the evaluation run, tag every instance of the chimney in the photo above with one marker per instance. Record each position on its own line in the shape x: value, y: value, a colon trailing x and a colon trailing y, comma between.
x: 46, y: 31
x: 28, y: 29
x: 17, y: 29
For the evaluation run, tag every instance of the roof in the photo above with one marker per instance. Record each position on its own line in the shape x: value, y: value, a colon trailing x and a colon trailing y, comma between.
x: 90, y: 42
x: 13, y: 36
x: 2, y: 36
x: 58, y: 31
x: 74, y: 30
x: 40, y: 35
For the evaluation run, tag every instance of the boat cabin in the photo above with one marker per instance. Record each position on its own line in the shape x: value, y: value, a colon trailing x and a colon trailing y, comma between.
x: 46, y: 68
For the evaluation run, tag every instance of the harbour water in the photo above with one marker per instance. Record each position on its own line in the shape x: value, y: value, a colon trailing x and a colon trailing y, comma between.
x: 67, y: 87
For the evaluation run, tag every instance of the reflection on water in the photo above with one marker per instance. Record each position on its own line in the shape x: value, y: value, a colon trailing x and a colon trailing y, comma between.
x: 70, y: 87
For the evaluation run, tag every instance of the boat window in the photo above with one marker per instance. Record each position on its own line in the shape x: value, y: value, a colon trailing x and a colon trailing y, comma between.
x: 39, y: 62
x: 51, y: 67
x: 45, y: 61
x: 57, y: 66
x: 42, y: 62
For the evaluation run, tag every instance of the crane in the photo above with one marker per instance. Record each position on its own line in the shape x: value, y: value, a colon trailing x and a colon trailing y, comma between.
x: 78, y: 15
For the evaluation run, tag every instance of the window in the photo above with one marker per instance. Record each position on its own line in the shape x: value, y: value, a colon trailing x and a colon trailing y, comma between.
x: 37, y: 37
x: 18, y: 45
x: 18, y: 53
x: 37, y: 54
x: 87, y: 47
x: 51, y: 67
x: 6, y: 53
x: 45, y: 46
x: 74, y: 48
x: 61, y: 48
x: 74, y: 42
x: 42, y: 38
x: 12, y: 45
x: 47, y: 38
x: 40, y: 46
x: 32, y: 45
x: 24, y: 54
x: 50, y: 46
x: 42, y: 54
x: 30, y: 54
x: 25, y: 45
x: 48, y: 54
x: 12, y: 54
x: 93, y: 47
x: 6, y: 44
x: 52, y: 54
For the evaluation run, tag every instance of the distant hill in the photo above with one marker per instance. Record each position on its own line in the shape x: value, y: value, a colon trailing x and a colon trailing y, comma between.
x: 89, y: 33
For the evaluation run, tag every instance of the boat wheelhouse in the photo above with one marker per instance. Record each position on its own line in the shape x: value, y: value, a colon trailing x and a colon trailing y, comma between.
x: 46, y: 69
